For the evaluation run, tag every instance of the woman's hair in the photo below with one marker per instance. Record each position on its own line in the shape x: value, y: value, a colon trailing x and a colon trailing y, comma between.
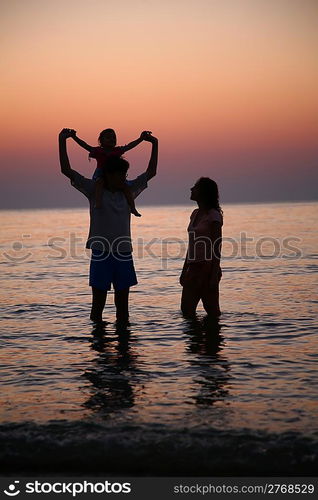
x: 209, y: 193
x: 105, y: 132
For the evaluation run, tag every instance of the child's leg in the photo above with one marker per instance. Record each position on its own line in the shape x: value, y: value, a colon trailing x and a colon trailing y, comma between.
x: 131, y: 201
x: 99, y: 189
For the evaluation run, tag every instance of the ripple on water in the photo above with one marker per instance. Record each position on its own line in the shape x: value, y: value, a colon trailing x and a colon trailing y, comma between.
x: 194, y: 391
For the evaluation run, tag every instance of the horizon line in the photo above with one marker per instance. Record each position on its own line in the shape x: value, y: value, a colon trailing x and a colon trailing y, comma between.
x: 277, y: 202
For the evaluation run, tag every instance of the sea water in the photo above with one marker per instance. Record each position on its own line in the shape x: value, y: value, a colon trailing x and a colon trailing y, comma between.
x: 165, y: 395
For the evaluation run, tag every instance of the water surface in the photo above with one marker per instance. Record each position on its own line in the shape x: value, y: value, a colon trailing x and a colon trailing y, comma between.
x: 209, y: 398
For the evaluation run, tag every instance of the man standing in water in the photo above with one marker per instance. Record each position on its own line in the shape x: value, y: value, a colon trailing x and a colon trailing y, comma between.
x: 109, y: 234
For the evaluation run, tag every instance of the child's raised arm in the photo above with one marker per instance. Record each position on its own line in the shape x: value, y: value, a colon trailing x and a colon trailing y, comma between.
x: 135, y: 143
x: 80, y: 142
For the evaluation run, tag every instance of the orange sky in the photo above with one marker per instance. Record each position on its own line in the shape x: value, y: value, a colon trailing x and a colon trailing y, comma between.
x: 205, y: 76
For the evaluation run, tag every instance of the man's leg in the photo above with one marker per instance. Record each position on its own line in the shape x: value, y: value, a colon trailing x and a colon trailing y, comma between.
x: 121, y: 303
x: 98, y: 304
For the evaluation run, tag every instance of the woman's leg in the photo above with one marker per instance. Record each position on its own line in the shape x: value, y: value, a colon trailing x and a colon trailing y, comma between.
x: 98, y: 304
x: 193, y: 278
x: 121, y: 303
x: 210, y: 301
x: 189, y: 300
x: 210, y: 295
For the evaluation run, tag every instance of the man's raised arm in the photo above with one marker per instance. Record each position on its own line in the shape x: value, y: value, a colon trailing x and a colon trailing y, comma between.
x: 64, y: 161
x: 152, y: 165
x: 79, y: 182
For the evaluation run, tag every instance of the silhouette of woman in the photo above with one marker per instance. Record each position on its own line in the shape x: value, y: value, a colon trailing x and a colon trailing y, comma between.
x: 201, y: 272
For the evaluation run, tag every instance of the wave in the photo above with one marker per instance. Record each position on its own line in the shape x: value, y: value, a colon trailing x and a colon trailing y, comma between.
x: 83, y: 447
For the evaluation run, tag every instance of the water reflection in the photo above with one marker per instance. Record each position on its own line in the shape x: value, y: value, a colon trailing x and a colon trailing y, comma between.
x: 204, y: 336
x: 111, y: 374
x: 212, y: 369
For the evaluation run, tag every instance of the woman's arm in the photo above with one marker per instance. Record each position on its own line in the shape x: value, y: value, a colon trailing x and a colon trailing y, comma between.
x: 216, y: 238
x: 184, y: 270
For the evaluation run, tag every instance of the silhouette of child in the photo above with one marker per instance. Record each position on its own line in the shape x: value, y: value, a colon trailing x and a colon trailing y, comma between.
x: 107, y: 147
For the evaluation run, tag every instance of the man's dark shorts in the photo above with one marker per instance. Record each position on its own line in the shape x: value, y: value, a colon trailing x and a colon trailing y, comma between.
x: 107, y: 269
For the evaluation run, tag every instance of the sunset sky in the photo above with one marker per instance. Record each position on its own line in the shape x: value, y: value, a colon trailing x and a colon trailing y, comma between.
x: 228, y: 86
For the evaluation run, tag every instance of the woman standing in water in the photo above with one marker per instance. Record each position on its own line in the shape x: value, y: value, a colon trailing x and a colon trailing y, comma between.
x: 201, y: 272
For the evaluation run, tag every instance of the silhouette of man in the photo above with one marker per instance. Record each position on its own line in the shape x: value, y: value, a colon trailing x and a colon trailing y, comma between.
x: 109, y: 234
